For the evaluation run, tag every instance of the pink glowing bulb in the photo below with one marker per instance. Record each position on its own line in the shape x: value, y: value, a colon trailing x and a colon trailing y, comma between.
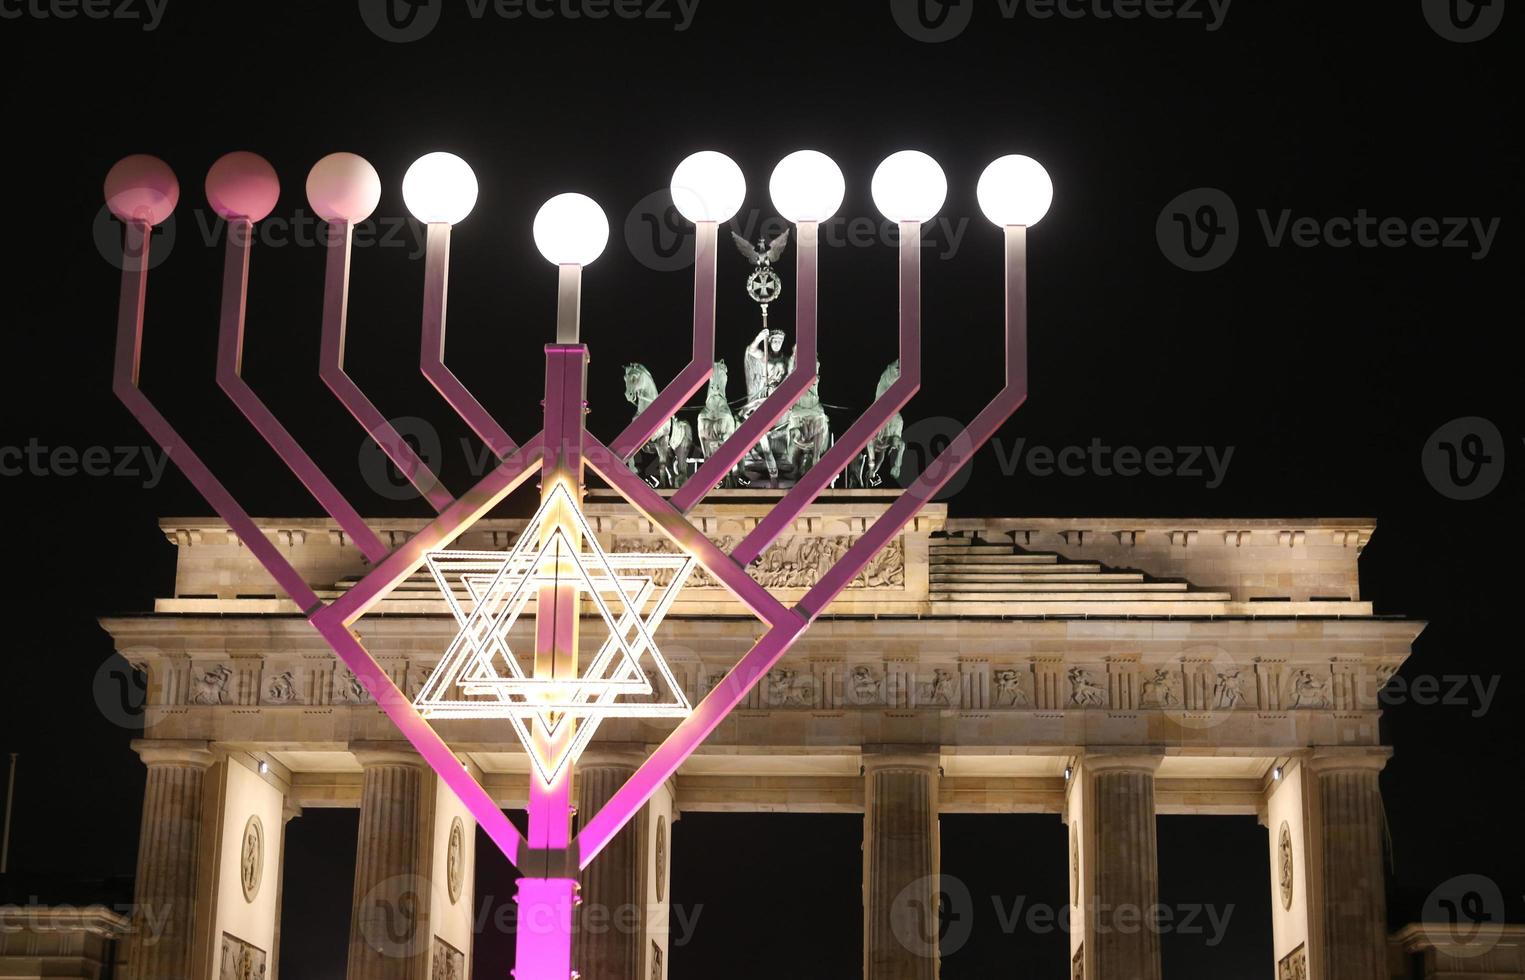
x: 243, y: 185
x: 142, y: 188
x: 343, y: 187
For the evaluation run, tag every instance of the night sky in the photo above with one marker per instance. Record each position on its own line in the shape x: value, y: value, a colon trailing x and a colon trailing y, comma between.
x: 1339, y: 377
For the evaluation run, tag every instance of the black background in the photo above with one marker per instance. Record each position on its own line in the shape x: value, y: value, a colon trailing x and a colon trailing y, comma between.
x: 1326, y: 370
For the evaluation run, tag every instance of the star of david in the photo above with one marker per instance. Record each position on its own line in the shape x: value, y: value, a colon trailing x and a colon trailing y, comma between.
x: 480, y: 676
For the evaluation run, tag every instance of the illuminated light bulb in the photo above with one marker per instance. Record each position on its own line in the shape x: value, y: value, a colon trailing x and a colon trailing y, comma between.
x: 909, y: 186
x: 1015, y: 190
x: 343, y: 187
x: 242, y: 185
x: 571, y: 229
x: 439, y: 188
x: 708, y: 186
x: 142, y: 188
x: 807, y: 186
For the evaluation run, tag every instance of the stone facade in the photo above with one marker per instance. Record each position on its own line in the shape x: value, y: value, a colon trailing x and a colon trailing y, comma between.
x: 1101, y: 671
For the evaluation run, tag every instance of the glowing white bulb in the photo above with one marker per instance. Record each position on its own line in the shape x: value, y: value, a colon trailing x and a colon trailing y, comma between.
x: 909, y: 186
x: 439, y: 189
x: 807, y: 186
x: 708, y: 186
x: 571, y: 229
x: 1015, y: 190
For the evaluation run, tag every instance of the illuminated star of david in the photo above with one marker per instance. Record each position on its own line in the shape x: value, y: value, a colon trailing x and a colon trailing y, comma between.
x: 479, y: 675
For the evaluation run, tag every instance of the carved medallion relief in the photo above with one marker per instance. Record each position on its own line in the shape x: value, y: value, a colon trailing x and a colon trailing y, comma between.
x: 251, y: 863
x: 1284, y: 863
x: 455, y: 860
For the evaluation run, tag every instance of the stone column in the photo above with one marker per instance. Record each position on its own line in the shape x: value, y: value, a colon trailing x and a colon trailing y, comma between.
x: 610, y: 935
x: 900, y: 865
x: 169, y: 856
x: 1350, y: 907
x: 1117, y: 873
x: 390, y: 931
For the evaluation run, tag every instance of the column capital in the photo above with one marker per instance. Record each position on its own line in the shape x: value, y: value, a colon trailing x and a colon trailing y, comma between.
x: 1372, y: 758
x: 613, y: 755
x: 370, y: 754
x: 1122, y: 759
x: 918, y: 758
x: 192, y: 753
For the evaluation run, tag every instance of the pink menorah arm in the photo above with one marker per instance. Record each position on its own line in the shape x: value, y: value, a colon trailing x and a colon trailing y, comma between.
x: 860, y: 433
x: 452, y: 522
x: 399, y: 708
x: 959, y: 452
x: 432, y: 354
x: 677, y: 393
x: 665, y: 516
x: 663, y: 764
x: 331, y: 369
x: 230, y: 359
x: 757, y: 425
x: 129, y: 347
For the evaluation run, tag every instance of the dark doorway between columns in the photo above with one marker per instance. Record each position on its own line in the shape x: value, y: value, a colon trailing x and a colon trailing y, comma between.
x: 764, y: 896
x: 1006, y: 896
x: 1215, y: 880
x: 317, y: 893
x: 494, y: 914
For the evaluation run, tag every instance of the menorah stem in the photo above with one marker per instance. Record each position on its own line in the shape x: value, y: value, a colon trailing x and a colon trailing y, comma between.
x: 761, y: 422
x: 546, y: 892
x: 702, y: 361
x: 432, y: 355
x: 230, y: 359
x: 331, y: 369
x: 569, y: 304
x: 837, y: 458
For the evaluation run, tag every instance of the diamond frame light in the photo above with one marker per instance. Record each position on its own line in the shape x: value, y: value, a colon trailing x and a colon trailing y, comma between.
x: 549, y: 856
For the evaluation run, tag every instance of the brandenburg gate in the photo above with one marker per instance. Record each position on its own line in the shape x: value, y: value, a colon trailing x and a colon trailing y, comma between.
x: 1103, y: 671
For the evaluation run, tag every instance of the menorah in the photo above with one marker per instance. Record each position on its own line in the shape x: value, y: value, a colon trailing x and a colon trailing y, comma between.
x: 557, y: 562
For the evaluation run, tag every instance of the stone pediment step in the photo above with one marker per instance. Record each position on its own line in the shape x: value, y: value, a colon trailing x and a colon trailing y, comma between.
x: 1099, y: 598
x: 985, y: 575
x: 987, y: 585
x: 1019, y: 571
x: 1007, y: 560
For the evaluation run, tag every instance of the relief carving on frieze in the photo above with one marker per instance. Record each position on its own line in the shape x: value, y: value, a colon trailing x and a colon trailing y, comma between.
x: 241, y: 960
x: 448, y: 962
x: 865, y: 686
x: 796, y: 562
x: 1293, y: 966
x: 1309, y: 691
x: 941, y: 691
x: 1011, y: 689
